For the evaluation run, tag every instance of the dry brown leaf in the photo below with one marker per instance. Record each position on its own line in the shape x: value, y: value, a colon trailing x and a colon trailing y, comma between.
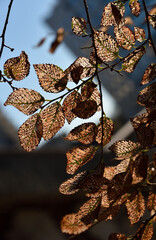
x: 85, y: 109
x: 117, y: 236
x: 51, y: 77
x: 151, y: 202
x: 139, y: 34
x: 107, y: 131
x: 30, y: 133
x: 78, y: 25
x: 78, y: 156
x: 52, y: 119
x: 125, y: 37
x: 25, y: 100
x: 145, y: 232
x: 84, y: 133
x: 152, y: 17
x: 69, y: 103
x: 132, y: 59
x: 59, y: 38
x: 106, y: 47
x: 141, y: 162
x: 149, y: 74
x: 135, y: 207
x: 135, y: 7
x: 17, y: 68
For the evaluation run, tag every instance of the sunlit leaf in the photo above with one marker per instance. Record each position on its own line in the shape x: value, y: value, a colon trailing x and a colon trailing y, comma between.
x: 135, y: 7
x: 151, y: 202
x: 70, y: 225
x: 145, y: 231
x: 59, y: 38
x: 81, y: 68
x: 149, y: 75
x: 87, y: 90
x: 117, y: 236
x: 78, y: 25
x: 78, y: 156
x: 30, y: 133
x: 107, y: 131
x: 25, y: 100
x: 89, y: 211
x: 135, y: 207
x: 51, y: 77
x: 70, y: 102
x: 72, y: 185
x: 140, y: 168
x: 113, y: 14
x: 17, y: 68
x: 132, y: 59
x: 84, y: 133
x: 147, y: 97
x: 106, y: 47
x: 85, y: 109
x: 139, y: 34
x: 125, y: 37
x: 52, y: 119
x: 152, y: 17
x: 124, y: 149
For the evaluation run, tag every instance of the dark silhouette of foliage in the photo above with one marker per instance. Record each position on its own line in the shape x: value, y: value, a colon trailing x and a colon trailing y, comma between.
x: 107, y: 188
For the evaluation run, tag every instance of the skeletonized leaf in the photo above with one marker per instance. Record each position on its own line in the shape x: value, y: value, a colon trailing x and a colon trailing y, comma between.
x: 89, y: 211
x: 85, y: 109
x: 145, y: 231
x: 152, y: 17
x: 113, y: 14
x: 124, y: 149
x: 135, y: 7
x: 132, y: 59
x: 125, y: 37
x: 107, y: 131
x: 106, y: 47
x: 17, y: 68
x: 78, y: 156
x: 59, y: 38
x: 70, y: 225
x: 30, y: 133
x: 25, y: 100
x: 135, y: 207
x: 139, y: 34
x: 81, y: 68
x: 51, y: 77
x: 147, y: 97
x: 69, y: 103
x: 151, y: 202
x: 71, y: 186
x: 149, y: 75
x: 84, y: 133
x: 117, y: 236
x: 52, y: 119
x: 78, y: 25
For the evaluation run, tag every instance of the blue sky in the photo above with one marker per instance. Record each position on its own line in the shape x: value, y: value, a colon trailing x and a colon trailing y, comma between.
x: 25, y: 28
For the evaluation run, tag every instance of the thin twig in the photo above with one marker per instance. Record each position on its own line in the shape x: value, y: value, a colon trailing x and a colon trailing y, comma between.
x: 4, y: 29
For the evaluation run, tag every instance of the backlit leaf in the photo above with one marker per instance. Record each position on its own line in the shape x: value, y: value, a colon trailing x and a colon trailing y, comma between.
x: 125, y: 37
x: 117, y: 236
x: 139, y: 34
x: 147, y: 97
x: 78, y: 25
x: 149, y: 75
x: 70, y: 102
x: 107, y: 131
x: 17, y: 68
x: 84, y: 133
x: 30, y: 133
x: 87, y: 90
x: 152, y: 17
x: 78, y: 156
x: 135, y: 207
x: 85, y: 109
x: 70, y: 225
x: 25, y: 100
x: 124, y: 149
x: 81, y: 68
x: 59, y: 38
x: 113, y: 14
x: 52, y: 119
x: 106, y: 47
x: 135, y: 7
x: 132, y: 59
x: 145, y: 232
x: 72, y: 185
x: 51, y: 77
x: 151, y: 202
x: 140, y: 168
x: 89, y: 211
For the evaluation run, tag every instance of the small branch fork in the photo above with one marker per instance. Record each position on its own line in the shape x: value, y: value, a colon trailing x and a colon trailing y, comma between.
x: 4, y: 30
